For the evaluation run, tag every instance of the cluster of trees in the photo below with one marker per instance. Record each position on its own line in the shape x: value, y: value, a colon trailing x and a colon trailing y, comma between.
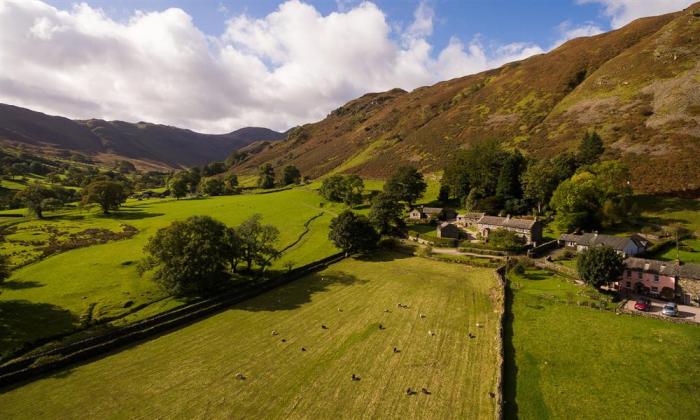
x: 4, y: 268
x: 267, y: 179
x: 584, y: 192
x: 343, y: 189
x: 193, y: 181
x: 197, y: 255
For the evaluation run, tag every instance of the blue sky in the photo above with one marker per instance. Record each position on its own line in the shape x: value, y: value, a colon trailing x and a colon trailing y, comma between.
x: 218, y: 65
x: 501, y: 21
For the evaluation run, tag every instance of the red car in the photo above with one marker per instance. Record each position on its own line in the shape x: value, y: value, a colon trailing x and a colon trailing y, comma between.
x: 643, y: 305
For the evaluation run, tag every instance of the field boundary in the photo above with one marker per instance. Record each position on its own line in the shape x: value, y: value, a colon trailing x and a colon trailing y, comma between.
x: 39, y: 364
x: 500, y: 274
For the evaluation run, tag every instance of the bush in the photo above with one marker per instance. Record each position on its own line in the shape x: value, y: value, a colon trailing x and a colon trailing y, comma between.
x: 599, y: 265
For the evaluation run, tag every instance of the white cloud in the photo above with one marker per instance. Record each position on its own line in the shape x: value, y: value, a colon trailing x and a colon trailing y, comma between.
x: 289, y: 67
x: 622, y: 12
x: 568, y: 31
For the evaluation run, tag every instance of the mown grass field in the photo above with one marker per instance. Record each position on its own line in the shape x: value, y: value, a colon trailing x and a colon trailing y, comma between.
x: 51, y: 295
x: 568, y: 361
x: 191, y: 372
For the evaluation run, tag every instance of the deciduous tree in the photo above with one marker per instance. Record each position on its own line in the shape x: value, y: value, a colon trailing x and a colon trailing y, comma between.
x: 385, y: 212
x: 599, y: 265
x: 406, y: 184
x: 108, y: 195
x: 353, y: 233
x: 291, y: 175
x: 266, y: 176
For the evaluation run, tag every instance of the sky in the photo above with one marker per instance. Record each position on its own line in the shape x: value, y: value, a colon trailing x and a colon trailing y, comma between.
x: 215, y: 66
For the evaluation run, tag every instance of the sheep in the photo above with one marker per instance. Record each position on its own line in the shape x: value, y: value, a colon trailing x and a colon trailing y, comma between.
x: 425, y: 391
x: 323, y: 326
x: 431, y: 333
x: 479, y: 325
x: 422, y: 315
x: 303, y: 349
x: 381, y: 327
x: 396, y: 350
x: 386, y: 310
x: 471, y: 335
x: 284, y: 340
x: 492, y: 395
x: 409, y: 391
x: 274, y: 333
x: 355, y: 377
x: 340, y: 310
x: 240, y: 376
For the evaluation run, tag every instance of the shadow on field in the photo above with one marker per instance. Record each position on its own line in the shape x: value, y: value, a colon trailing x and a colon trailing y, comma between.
x: 19, y: 285
x: 510, y: 370
x: 131, y: 215
x: 384, y: 256
x: 21, y: 320
x: 297, y: 293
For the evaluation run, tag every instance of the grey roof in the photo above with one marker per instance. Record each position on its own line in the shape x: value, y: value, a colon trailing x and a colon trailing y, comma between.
x: 447, y: 224
x: 594, y: 239
x: 472, y: 215
x: 431, y: 210
x: 665, y: 268
x: 507, y: 222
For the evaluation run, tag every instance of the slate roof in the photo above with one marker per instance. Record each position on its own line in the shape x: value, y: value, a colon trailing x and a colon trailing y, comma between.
x: 431, y: 210
x: 475, y: 216
x: 664, y: 268
x: 595, y: 239
x: 507, y: 222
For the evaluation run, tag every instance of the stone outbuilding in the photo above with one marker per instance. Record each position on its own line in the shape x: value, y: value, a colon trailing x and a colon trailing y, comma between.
x: 448, y: 230
x: 529, y: 229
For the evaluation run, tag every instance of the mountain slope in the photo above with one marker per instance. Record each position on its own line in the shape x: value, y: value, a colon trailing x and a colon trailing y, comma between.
x: 638, y: 86
x: 152, y: 145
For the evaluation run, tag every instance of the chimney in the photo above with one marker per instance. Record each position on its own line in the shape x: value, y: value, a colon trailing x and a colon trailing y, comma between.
x: 507, y: 216
x: 595, y: 233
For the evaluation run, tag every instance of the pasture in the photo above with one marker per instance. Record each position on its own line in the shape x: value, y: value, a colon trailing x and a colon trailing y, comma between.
x: 191, y: 372
x: 566, y: 360
x: 55, y: 293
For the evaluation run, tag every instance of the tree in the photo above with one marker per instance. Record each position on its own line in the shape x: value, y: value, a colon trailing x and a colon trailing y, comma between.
x: 353, y: 186
x: 4, y: 268
x: 575, y: 202
x: 539, y: 182
x: 34, y: 197
x: 125, y: 167
x: 19, y: 169
x: 266, y: 176
x: 444, y: 194
x: 190, y: 256
x: 257, y: 242
x: 590, y: 149
x: 333, y: 188
x: 345, y: 189
x: 235, y: 248
x: 385, y: 212
x: 291, y: 175
x: 178, y: 184
x: 508, y: 183
x: 235, y: 157
x: 599, y: 265
x: 212, y: 186
x: 109, y: 195
x: 353, y: 233
x: 406, y: 184
x: 214, y: 168
x: 232, y: 182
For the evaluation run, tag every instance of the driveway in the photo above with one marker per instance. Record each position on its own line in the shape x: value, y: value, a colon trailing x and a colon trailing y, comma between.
x: 691, y: 313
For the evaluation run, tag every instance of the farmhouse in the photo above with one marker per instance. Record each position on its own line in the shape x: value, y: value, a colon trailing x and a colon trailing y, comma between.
x: 423, y: 213
x: 468, y: 219
x: 667, y: 279
x: 530, y: 229
x: 650, y: 277
x: 624, y: 245
x: 448, y: 230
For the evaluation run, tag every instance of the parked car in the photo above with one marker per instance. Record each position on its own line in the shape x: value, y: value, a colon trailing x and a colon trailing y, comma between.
x: 643, y: 305
x: 670, y: 309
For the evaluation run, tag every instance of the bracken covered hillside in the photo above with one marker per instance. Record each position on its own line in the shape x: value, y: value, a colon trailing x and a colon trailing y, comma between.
x: 639, y: 86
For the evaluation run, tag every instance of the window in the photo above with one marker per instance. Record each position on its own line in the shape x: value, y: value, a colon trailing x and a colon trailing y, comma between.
x: 629, y: 273
x: 639, y: 274
x: 629, y: 284
x: 656, y: 278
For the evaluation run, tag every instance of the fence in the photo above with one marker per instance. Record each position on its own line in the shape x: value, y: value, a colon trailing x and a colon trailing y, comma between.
x: 501, y: 302
x: 83, y: 350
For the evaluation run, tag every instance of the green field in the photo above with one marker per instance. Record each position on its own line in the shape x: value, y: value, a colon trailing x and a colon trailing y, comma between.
x: 191, y: 372
x: 568, y: 361
x: 50, y: 296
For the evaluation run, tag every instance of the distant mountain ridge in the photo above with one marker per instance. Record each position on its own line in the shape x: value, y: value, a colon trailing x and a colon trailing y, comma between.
x: 150, y: 145
x: 638, y: 86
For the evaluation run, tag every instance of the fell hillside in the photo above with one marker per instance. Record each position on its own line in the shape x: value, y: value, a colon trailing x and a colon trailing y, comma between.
x: 639, y: 86
x: 148, y: 145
